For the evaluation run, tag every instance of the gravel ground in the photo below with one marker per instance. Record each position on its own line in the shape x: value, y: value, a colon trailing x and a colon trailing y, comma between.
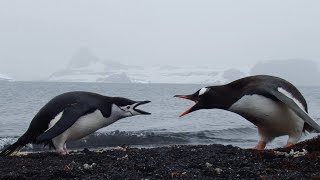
x: 174, y: 162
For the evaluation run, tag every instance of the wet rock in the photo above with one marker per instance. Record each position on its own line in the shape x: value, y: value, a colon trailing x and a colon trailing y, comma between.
x: 125, y: 148
x: 126, y: 157
x: 292, y: 153
x: 89, y: 167
x: 208, y: 164
x: 218, y: 170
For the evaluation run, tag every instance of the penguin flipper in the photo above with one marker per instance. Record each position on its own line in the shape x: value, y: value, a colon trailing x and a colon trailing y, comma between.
x: 22, y: 141
x: 293, y: 105
x: 70, y: 115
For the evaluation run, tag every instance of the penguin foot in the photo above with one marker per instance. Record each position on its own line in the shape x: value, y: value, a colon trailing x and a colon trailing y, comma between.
x: 288, y: 145
x: 65, y: 150
x: 62, y: 152
x: 261, y: 145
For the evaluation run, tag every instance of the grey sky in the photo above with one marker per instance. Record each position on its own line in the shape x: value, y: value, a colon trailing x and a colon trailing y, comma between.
x: 38, y: 37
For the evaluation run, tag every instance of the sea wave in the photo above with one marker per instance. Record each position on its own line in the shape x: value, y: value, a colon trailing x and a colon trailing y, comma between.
x: 148, y: 138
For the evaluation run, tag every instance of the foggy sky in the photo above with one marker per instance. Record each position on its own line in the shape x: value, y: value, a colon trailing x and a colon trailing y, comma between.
x: 38, y: 37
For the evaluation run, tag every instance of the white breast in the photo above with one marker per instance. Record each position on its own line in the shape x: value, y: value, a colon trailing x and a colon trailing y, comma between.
x: 273, y: 118
x: 88, y: 124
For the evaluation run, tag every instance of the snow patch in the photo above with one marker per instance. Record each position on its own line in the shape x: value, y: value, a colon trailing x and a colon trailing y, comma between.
x: 5, y: 78
x: 84, y: 66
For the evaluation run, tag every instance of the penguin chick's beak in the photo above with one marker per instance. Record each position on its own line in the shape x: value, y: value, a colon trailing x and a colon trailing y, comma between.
x: 140, y: 111
x: 193, y: 108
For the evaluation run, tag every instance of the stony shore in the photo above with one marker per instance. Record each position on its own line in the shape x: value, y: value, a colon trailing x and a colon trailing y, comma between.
x: 174, y: 162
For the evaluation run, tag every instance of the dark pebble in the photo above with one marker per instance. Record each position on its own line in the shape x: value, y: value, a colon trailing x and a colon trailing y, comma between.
x: 175, y: 162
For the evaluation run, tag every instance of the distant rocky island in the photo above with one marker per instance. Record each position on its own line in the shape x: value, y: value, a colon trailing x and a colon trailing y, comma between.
x: 84, y: 66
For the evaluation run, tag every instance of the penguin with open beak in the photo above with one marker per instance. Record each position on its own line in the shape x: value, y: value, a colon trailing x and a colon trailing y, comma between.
x: 273, y: 104
x: 74, y: 115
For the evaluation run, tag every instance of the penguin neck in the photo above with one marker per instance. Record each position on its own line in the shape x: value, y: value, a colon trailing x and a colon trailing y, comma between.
x: 223, y: 97
x: 117, y: 113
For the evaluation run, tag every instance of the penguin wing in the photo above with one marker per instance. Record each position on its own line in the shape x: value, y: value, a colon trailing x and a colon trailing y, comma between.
x: 69, y: 116
x: 293, y: 105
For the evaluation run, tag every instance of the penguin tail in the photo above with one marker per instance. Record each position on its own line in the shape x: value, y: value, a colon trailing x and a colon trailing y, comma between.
x: 22, y: 141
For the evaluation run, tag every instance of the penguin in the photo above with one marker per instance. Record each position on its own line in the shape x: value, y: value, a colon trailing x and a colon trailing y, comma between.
x: 72, y: 116
x: 272, y: 104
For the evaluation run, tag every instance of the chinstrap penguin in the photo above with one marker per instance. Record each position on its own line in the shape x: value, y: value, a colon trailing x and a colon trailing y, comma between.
x: 273, y: 104
x: 74, y: 115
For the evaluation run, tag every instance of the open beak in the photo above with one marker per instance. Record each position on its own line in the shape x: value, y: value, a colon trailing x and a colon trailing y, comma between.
x: 140, y: 111
x: 193, y: 108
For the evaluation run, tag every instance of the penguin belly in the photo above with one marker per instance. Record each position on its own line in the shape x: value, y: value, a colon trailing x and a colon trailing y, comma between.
x: 273, y: 118
x: 84, y: 126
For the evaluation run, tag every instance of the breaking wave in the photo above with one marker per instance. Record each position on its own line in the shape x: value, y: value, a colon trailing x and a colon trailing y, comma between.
x: 148, y: 139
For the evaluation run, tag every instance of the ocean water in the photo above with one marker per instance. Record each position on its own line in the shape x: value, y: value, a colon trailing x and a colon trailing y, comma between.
x: 20, y: 101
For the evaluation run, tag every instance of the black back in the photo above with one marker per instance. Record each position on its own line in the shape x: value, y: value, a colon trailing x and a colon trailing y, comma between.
x: 87, y: 100
x: 262, y: 84
x: 73, y: 105
x: 226, y: 95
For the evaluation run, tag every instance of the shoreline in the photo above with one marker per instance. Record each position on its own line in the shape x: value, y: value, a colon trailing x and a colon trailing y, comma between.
x: 178, y: 161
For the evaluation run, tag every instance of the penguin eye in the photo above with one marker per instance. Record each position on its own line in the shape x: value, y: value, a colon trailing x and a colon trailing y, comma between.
x: 128, y: 107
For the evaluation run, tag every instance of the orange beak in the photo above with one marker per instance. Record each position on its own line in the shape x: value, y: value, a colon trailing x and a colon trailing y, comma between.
x: 190, y: 98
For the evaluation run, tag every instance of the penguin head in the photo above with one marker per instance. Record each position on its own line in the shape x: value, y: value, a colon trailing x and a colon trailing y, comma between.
x: 205, y: 98
x: 129, y: 107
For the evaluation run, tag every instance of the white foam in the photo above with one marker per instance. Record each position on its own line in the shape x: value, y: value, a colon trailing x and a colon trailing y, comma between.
x: 6, y: 141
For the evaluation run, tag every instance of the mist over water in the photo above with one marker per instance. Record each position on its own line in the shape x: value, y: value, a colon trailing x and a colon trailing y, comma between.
x: 39, y: 37
x: 20, y: 101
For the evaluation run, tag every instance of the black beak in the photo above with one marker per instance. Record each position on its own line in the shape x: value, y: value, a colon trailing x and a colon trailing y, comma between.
x: 193, y: 108
x: 140, y: 111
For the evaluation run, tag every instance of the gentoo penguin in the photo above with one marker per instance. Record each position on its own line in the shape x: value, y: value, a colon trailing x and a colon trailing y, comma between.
x: 74, y: 115
x: 273, y: 104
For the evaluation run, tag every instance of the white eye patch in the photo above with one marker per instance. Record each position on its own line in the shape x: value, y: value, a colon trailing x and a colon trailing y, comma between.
x: 202, y: 91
